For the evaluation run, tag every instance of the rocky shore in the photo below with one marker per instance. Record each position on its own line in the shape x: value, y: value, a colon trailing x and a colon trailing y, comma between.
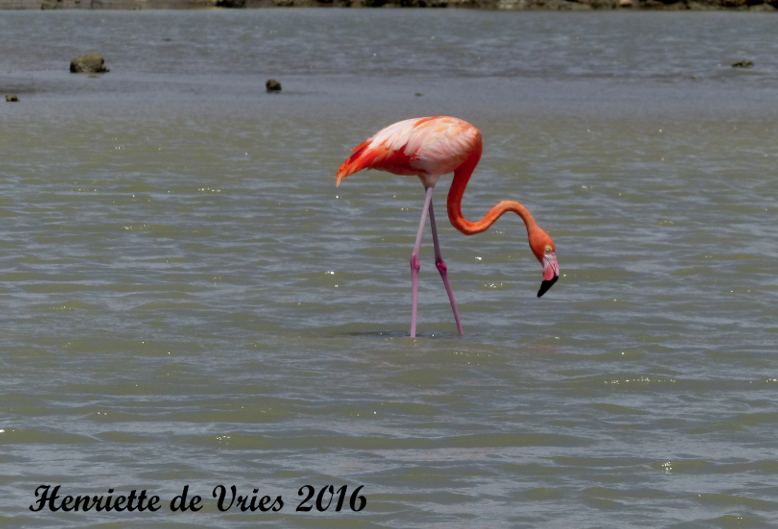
x: 554, y: 5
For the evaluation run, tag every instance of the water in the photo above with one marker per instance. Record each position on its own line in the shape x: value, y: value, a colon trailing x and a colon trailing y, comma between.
x: 187, y: 299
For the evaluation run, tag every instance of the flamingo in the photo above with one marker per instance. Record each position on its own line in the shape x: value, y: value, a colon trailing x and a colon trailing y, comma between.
x: 428, y: 148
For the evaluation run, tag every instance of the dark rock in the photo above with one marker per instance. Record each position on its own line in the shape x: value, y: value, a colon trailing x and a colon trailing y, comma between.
x: 89, y: 63
x: 272, y: 85
x: 423, y: 3
x: 743, y: 64
x: 233, y: 4
x: 11, y: 98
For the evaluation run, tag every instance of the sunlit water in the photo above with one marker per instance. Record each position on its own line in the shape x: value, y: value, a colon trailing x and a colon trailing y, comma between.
x: 187, y: 299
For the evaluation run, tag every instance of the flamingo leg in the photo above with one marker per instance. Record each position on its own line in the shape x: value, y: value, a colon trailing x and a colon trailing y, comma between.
x: 415, y: 259
x: 443, y: 269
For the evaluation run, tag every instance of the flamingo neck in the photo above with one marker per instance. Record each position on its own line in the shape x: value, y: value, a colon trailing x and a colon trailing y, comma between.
x: 454, y: 204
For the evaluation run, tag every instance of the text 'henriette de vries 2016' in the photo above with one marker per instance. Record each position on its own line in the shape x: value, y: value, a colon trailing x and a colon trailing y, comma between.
x: 49, y: 498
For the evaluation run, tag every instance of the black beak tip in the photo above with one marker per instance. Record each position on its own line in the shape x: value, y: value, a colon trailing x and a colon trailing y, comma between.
x: 546, y: 285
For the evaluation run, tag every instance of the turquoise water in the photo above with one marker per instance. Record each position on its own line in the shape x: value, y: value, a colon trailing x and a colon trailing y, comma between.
x: 187, y: 299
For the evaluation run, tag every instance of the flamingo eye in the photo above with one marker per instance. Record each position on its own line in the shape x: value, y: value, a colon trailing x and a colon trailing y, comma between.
x: 549, y: 249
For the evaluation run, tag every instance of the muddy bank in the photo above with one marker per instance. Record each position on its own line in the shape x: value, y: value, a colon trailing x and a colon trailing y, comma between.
x: 554, y: 5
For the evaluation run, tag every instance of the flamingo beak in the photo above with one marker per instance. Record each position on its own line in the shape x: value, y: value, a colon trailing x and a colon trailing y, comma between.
x: 550, y: 272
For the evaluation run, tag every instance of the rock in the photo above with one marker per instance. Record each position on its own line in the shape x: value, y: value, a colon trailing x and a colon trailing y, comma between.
x: 272, y: 85
x: 231, y: 4
x: 89, y: 63
x: 423, y: 3
x: 51, y: 4
x: 11, y: 98
x: 743, y: 64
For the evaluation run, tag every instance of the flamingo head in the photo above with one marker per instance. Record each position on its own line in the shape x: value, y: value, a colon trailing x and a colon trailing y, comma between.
x: 545, y: 252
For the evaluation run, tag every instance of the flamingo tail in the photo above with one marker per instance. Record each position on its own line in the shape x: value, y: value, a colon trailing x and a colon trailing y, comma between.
x: 361, y: 159
x: 369, y: 155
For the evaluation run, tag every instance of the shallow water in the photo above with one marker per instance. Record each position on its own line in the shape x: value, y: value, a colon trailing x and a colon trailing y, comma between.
x: 187, y: 299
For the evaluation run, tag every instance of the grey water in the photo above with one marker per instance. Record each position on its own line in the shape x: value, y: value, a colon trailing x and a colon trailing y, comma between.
x: 187, y: 299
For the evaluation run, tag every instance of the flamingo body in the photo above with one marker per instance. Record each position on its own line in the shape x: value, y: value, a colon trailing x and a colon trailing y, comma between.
x: 428, y: 148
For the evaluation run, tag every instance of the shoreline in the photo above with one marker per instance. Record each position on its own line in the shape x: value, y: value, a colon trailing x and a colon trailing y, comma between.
x: 503, y: 5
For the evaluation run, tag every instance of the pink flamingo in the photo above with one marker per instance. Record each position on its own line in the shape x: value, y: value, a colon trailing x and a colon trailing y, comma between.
x: 431, y: 147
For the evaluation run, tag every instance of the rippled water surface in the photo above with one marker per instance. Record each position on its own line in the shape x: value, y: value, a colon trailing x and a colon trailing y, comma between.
x: 187, y: 298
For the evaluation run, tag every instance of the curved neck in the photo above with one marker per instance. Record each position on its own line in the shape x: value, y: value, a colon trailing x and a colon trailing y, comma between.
x: 454, y: 203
